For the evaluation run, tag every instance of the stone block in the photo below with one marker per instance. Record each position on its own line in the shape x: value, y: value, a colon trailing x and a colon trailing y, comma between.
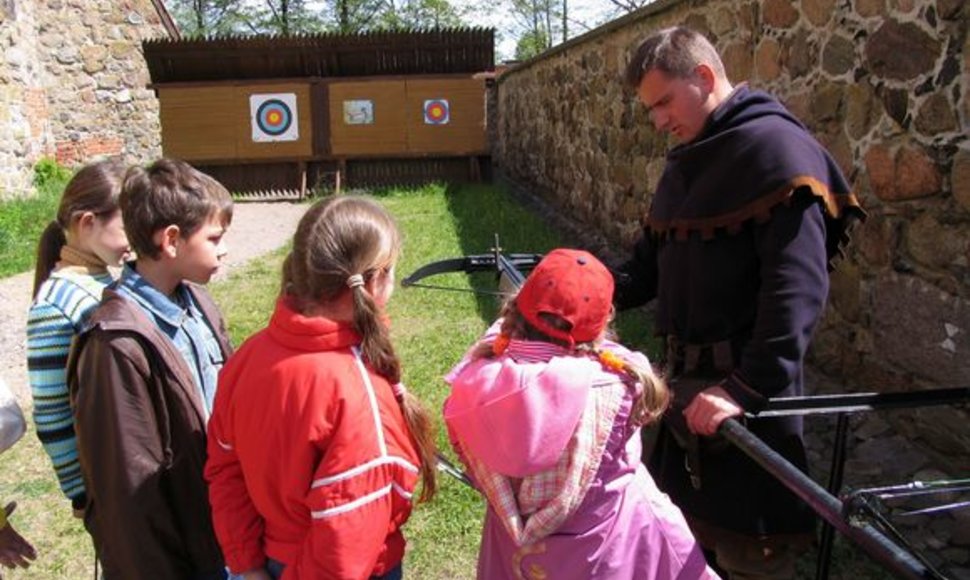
x: 934, y: 244
x: 779, y: 13
x: 960, y: 178
x: 767, y: 59
x: 950, y: 9
x: 723, y: 22
x: 818, y: 12
x: 936, y: 115
x: 799, y: 54
x: 862, y: 110
x: 838, y: 56
x: 845, y: 291
x: 867, y: 8
x: 738, y: 61
x: 906, y: 174
x: 826, y: 104
x: 901, y: 51
x: 921, y: 329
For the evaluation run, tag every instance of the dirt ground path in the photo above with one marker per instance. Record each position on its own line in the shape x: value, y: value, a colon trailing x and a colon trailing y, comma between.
x: 257, y: 228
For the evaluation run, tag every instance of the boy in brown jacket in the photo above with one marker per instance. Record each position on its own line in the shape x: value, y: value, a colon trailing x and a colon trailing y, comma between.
x: 142, y: 379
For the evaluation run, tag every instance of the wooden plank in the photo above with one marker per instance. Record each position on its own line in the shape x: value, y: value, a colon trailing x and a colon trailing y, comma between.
x: 464, y: 134
x: 386, y: 135
x: 198, y: 123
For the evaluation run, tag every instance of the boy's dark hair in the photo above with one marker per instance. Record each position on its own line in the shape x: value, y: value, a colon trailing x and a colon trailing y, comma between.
x: 169, y: 192
x: 675, y: 51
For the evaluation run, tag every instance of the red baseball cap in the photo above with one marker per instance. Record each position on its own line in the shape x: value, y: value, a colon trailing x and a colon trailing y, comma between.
x: 572, y: 285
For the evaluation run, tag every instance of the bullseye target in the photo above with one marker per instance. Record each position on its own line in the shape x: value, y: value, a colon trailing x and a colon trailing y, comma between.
x: 437, y: 112
x: 274, y: 117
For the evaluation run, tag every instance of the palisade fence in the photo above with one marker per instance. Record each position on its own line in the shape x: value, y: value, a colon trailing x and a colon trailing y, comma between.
x: 376, y: 108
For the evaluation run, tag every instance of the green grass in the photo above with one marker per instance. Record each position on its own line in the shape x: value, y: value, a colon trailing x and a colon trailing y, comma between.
x: 431, y: 330
x: 22, y: 220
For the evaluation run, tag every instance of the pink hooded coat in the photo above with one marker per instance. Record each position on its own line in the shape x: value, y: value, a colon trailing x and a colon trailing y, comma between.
x: 539, y: 418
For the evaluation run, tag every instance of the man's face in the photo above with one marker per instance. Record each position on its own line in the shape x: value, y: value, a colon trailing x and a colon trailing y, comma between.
x: 676, y: 105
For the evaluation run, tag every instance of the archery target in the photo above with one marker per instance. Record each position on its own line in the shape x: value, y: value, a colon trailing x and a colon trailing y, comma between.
x: 437, y: 112
x: 274, y: 117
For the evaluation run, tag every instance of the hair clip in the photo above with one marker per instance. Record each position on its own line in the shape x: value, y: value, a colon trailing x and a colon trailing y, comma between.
x: 500, y: 343
x: 611, y: 361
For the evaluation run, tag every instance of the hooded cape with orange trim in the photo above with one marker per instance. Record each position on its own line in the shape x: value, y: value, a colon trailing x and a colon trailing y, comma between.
x: 752, y: 155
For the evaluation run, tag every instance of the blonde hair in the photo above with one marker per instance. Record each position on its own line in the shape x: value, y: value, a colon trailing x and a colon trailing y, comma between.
x: 344, y: 236
x: 648, y: 406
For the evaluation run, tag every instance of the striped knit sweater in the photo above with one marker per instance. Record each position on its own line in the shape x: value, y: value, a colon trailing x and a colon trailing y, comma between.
x: 63, y: 304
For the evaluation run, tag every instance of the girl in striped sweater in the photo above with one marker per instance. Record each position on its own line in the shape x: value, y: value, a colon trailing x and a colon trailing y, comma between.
x: 73, y: 256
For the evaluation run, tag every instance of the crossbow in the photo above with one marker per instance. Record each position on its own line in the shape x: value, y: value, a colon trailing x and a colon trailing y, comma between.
x: 508, y: 267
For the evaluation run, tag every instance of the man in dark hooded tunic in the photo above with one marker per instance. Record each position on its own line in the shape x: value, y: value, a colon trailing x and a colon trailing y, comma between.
x: 736, y: 248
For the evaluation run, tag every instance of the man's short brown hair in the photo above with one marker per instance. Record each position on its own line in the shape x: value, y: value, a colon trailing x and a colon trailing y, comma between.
x: 675, y: 51
x: 169, y: 192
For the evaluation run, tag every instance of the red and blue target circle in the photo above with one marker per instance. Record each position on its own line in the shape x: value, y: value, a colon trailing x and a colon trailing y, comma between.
x: 274, y: 117
x: 436, y: 111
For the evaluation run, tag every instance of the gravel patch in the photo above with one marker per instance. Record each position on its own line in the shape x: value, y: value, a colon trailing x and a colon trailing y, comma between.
x: 257, y: 228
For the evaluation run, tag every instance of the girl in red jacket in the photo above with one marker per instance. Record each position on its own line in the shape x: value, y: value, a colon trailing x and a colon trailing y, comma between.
x: 315, y: 448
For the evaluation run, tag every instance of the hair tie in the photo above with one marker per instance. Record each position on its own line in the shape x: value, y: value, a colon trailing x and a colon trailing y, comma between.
x: 500, y: 344
x: 355, y: 281
x: 611, y: 361
x: 399, y: 389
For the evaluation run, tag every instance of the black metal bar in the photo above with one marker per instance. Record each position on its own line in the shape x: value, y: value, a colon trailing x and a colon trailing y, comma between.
x: 855, y: 402
x: 881, y: 549
x: 836, y: 474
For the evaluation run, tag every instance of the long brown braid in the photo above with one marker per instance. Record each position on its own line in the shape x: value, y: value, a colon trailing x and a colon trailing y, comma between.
x: 340, y: 237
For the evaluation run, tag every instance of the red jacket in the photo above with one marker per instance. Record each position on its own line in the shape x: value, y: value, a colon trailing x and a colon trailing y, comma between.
x: 310, y: 461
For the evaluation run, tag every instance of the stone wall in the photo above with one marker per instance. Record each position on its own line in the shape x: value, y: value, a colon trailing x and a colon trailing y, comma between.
x: 73, y: 84
x: 884, y: 85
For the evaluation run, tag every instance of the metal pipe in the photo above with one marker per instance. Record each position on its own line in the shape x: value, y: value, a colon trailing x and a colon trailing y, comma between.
x: 835, y: 484
x: 881, y: 549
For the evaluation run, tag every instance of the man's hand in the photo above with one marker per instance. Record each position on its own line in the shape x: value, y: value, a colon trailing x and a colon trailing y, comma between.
x: 14, y: 549
x: 709, y: 409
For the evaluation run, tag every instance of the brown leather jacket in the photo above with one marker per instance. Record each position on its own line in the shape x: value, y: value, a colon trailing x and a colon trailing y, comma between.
x: 140, y: 424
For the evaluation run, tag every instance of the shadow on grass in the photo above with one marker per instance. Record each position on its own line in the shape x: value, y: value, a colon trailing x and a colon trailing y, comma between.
x: 482, y: 212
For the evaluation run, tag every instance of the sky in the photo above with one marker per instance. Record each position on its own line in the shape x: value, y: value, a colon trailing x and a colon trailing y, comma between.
x: 497, y: 14
x: 592, y: 13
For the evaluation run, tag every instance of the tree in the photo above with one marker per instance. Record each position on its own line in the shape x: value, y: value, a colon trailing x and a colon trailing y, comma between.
x: 285, y: 17
x: 206, y: 17
x: 538, y: 22
x: 404, y: 14
x: 531, y: 44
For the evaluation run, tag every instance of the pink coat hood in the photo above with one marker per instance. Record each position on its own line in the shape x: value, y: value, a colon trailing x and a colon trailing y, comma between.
x: 518, y: 417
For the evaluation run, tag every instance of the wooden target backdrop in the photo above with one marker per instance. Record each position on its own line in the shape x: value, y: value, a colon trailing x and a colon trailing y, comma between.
x: 286, y: 112
x: 214, y: 123
x: 399, y: 117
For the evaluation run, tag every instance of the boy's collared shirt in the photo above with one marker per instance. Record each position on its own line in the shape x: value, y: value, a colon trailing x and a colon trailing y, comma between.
x: 183, y: 323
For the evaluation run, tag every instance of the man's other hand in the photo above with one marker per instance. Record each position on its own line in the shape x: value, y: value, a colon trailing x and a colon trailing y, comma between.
x: 709, y: 409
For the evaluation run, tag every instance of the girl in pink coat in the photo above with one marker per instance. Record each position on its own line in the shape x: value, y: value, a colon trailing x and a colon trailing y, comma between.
x: 546, y: 414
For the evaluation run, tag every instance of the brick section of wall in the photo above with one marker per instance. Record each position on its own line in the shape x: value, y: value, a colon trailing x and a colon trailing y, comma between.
x: 73, y: 84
